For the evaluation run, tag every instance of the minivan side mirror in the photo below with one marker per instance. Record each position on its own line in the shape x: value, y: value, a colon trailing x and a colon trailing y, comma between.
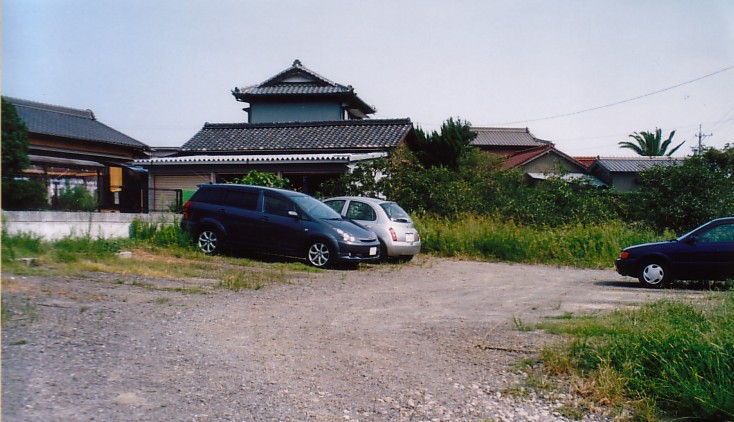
x: 293, y: 214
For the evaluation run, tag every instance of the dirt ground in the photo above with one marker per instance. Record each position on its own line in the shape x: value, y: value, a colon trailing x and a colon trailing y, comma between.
x: 434, y: 339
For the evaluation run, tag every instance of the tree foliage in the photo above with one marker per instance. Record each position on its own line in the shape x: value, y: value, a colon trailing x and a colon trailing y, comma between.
x: 684, y: 196
x: 476, y: 183
x: 444, y: 148
x: 14, y: 141
x: 260, y: 178
x: 650, y: 144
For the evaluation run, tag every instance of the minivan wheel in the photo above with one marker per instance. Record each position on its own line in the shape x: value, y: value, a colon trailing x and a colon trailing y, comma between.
x: 208, y: 241
x: 319, y: 254
x: 654, y: 274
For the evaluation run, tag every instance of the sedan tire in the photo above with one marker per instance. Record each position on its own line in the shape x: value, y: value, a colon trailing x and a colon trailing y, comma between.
x: 655, y: 274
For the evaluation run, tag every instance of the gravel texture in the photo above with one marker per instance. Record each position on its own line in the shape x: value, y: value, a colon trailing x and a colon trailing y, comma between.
x: 432, y: 340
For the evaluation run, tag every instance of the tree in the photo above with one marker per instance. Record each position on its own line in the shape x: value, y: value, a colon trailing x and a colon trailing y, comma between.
x: 443, y: 148
x: 15, y: 141
x: 666, y: 198
x: 649, y: 144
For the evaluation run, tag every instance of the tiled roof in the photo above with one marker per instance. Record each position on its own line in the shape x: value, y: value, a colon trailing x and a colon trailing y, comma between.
x: 515, y: 137
x: 69, y: 123
x: 635, y: 164
x: 342, y: 135
x: 526, y: 155
x: 586, y: 161
x: 299, y: 80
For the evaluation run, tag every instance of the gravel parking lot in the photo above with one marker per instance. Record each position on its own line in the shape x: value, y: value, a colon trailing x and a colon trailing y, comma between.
x: 430, y: 340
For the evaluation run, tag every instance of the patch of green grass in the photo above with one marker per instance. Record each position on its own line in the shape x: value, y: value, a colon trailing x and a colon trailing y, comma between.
x: 520, y: 325
x: 668, y: 357
x: 19, y: 311
x: 237, y: 280
x: 493, y: 239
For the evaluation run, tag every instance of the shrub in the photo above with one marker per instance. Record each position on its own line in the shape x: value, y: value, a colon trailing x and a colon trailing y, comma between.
x: 159, y: 234
x: 76, y: 198
x: 254, y: 177
x: 21, y: 195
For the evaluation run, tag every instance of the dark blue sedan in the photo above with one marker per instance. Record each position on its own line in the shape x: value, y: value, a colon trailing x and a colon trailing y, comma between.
x: 706, y: 253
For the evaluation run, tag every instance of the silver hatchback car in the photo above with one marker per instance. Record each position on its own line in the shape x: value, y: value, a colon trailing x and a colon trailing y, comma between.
x: 392, y: 225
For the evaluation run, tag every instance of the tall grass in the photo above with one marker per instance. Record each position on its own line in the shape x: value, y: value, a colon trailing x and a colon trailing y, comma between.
x: 490, y: 238
x: 671, y: 357
x: 159, y: 233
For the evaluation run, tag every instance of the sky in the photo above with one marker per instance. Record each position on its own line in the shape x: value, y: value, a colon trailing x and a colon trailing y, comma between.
x: 584, y: 74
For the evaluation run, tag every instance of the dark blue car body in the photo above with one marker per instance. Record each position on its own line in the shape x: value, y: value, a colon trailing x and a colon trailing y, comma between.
x: 705, y: 253
x: 274, y: 221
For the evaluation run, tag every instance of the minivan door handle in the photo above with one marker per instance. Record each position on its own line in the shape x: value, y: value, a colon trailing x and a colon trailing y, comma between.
x: 264, y: 218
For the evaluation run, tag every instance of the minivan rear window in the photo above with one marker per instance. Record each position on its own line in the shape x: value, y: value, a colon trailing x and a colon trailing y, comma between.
x: 207, y: 195
x: 244, y: 199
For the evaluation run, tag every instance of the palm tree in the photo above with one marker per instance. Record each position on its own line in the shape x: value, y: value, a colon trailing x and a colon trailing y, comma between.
x: 648, y: 144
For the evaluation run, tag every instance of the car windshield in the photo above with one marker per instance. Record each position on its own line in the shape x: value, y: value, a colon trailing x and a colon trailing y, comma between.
x: 395, y: 213
x: 316, y: 208
x: 679, y: 238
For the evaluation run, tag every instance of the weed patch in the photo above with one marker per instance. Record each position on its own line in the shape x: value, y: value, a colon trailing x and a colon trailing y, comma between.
x: 666, y: 357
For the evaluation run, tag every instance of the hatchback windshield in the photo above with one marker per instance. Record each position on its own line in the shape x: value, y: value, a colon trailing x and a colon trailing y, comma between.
x: 316, y: 208
x: 395, y: 213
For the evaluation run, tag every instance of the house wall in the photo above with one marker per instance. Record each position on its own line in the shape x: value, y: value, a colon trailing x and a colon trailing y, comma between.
x: 625, y: 182
x: 550, y: 164
x: 52, y: 225
x: 294, y: 112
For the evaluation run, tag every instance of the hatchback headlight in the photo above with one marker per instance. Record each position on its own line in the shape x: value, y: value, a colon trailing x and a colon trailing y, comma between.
x: 346, y: 236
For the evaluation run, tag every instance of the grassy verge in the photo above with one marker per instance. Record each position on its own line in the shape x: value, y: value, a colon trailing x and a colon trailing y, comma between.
x: 161, y: 251
x: 664, y: 360
x: 488, y: 238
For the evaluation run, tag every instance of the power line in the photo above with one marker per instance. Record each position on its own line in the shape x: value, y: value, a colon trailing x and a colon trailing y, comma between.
x: 614, y: 104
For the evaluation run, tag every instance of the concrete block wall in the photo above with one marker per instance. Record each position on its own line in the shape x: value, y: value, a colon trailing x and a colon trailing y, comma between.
x: 54, y: 225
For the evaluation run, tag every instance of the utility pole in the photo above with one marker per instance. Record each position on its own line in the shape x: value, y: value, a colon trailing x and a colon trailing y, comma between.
x: 700, y: 137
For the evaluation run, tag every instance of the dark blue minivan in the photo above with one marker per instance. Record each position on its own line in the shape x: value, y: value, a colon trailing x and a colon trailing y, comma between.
x: 274, y: 221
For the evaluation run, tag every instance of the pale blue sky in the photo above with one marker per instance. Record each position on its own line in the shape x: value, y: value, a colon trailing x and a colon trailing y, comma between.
x: 158, y: 70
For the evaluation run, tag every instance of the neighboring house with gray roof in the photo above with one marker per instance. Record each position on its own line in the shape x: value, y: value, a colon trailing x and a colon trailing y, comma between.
x: 70, y: 146
x: 505, y: 141
x: 300, y: 125
x: 623, y: 172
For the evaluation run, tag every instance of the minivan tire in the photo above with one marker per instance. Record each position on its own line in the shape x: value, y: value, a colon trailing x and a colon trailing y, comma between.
x: 320, y: 254
x: 209, y: 241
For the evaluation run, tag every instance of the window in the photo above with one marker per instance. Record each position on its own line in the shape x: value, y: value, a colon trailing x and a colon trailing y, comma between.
x: 719, y: 234
x: 208, y: 195
x: 336, y: 205
x: 244, y: 199
x: 361, y: 211
x: 277, y: 205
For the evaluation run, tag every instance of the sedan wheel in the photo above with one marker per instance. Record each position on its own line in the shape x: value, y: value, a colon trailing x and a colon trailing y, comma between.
x: 654, y: 275
x: 319, y: 254
x: 208, y: 241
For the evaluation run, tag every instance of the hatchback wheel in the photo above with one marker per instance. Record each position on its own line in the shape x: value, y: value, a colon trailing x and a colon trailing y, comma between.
x: 209, y: 241
x: 654, y: 274
x: 319, y: 254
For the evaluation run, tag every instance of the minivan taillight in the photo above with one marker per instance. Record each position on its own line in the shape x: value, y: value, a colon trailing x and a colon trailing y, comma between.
x: 186, y: 210
x: 624, y: 255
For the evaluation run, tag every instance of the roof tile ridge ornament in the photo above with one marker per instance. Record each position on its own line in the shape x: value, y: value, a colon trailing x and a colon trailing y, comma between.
x: 315, y: 123
x: 52, y: 108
